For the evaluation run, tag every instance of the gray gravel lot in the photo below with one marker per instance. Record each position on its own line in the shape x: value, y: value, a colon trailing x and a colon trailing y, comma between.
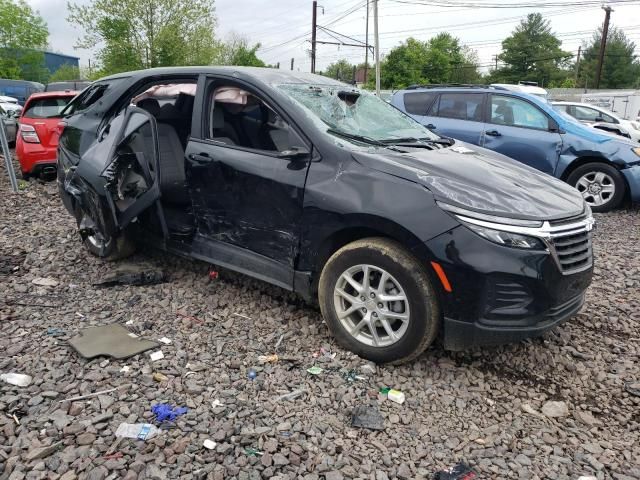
x: 483, y: 406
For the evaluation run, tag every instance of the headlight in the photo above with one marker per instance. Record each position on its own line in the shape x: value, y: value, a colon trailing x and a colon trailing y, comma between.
x: 508, y: 239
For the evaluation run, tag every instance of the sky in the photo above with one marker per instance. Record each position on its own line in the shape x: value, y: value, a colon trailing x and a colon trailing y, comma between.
x: 283, y: 27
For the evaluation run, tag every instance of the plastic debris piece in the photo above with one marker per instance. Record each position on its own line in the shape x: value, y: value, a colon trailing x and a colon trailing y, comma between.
x: 252, y: 374
x: 165, y: 340
x: 241, y: 316
x: 139, y: 431
x: 252, y: 452
x: 279, y: 342
x: 132, y: 275
x: 291, y: 396
x: 45, y: 282
x: 156, y: 355
x: 125, y: 369
x: 385, y: 390
x: 89, y: 395
x: 167, y: 413
x: 459, y: 472
x: 262, y: 359
x: 111, y: 340
x: 55, y: 332
x: 367, y: 416
x: 396, y: 396
x: 217, y: 403
x: 129, y: 322
x: 315, y: 370
x: 159, y: 377
x: 17, y: 379
x: 209, y: 444
x: 213, y: 275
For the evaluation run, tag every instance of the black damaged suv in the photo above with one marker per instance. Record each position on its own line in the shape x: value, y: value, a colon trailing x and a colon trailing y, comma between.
x: 328, y: 191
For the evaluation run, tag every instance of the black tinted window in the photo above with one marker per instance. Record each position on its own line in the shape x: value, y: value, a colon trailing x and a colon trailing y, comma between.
x: 417, y: 103
x: 462, y: 106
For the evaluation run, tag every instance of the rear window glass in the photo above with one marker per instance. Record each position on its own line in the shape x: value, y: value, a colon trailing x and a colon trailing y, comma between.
x: 46, y: 107
x: 417, y: 103
x: 462, y: 106
x: 90, y: 96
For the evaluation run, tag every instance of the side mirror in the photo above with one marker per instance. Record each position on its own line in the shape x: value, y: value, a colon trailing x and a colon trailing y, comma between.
x: 294, y: 152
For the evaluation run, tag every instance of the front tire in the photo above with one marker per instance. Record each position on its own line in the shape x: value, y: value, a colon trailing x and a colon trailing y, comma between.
x: 378, y: 301
x: 101, y: 244
x: 602, y: 186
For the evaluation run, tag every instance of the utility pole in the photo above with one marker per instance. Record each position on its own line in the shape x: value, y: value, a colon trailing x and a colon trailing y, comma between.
x: 578, y: 64
x: 377, y: 45
x: 495, y: 57
x: 313, y: 36
x: 366, y: 49
x: 292, y: 59
x: 603, y: 43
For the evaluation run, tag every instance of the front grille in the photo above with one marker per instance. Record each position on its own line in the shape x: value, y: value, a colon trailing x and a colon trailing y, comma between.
x: 571, y: 244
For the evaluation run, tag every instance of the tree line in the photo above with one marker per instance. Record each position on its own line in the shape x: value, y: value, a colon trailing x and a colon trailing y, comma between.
x: 137, y: 34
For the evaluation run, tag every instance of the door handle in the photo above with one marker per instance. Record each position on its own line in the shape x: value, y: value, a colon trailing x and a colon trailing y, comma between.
x: 493, y: 133
x: 431, y: 126
x: 200, y: 158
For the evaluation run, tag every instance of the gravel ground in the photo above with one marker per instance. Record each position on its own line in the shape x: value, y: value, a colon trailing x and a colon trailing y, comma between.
x: 488, y: 407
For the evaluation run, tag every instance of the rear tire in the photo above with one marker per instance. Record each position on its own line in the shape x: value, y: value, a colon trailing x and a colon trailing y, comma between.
x: 602, y: 186
x: 390, y: 318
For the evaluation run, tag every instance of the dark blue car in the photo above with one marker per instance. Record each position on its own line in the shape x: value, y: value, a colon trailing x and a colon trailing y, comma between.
x: 604, y: 168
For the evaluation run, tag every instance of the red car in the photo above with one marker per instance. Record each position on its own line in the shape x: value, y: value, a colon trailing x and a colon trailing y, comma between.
x: 37, y: 139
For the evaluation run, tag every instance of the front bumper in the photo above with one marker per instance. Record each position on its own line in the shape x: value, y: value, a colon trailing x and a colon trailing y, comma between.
x: 501, y: 294
x: 632, y: 176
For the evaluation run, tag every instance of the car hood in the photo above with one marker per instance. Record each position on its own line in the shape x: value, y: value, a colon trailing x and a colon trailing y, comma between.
x: 480, y: 180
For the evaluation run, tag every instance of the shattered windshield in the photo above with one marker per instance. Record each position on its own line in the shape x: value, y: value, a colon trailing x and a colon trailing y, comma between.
x: 356, y: 115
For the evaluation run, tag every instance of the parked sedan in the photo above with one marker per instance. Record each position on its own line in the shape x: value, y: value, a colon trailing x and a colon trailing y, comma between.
x: 326, y: 190
x: 603, y: 167
x: 7, y: 115
x: 597, y: 116
x: 37, y: 141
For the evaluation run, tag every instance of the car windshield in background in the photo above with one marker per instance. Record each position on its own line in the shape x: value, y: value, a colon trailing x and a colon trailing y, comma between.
x: 46, y: 107
x: 355, y: 113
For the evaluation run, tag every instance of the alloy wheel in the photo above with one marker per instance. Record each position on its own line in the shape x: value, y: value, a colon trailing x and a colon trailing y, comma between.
x: 597, y: 188
x: 371, y: 305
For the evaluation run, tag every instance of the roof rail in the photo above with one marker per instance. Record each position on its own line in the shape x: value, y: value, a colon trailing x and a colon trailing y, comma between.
x: 454, y: 85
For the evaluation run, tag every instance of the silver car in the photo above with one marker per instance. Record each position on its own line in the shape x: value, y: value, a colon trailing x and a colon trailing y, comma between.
x: 9, y: 115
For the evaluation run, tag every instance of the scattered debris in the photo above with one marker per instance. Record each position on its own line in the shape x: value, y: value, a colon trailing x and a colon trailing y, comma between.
x: 17, y: 379
x: 190, y: 318
x: 209, y: 444
x: 217, y: 403
x: 367, y: 416
x: 633, y: 388
x: 262, y: 359
x: 113, y: 456
x: 279, y: 342
x: 252, y: 374
x: 291, y: 396
x: 587, y: 477
x: 89, y: 395
x: 351, y: 375
x: 55, y: 332
x: 132, y: 275
x: 159, y: 377
x: 241, y: 316
x: 165, y: 340
x: 158, y: 355
x: 396, y: 396
x: 45, y: 282
x: 555, y: 409
x: 139, y: 431
x: 111, y: 340
x: 16, y: 410
x: 252, y: 452
x: 167, y: 413
x: 459, y: 472
x: 125, y: 369
x: 213, y: 275
x: 315, y: 370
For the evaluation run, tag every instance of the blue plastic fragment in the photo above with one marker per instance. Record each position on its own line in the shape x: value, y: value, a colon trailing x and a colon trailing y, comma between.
x: 165, y: 412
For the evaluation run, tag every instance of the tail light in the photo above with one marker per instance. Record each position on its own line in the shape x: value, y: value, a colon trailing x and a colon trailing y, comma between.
x: 29, y: 134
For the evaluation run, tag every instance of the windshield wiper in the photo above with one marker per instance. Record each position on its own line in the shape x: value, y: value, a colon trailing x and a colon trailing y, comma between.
x: 359, y: 138
x: 416, y: 142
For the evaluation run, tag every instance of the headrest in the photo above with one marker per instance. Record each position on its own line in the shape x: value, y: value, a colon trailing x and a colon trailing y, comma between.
x: 151, y: 105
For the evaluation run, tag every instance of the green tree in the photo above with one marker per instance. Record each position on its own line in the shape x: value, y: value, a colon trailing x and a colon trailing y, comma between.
x: 341, y: 70
x: 23, y: 36
x: 64, y: 73
x: 135, y: 34
x: 238, y: 51
x: 620, y: 68
x: 442, y: 59
x: 532, y: 52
